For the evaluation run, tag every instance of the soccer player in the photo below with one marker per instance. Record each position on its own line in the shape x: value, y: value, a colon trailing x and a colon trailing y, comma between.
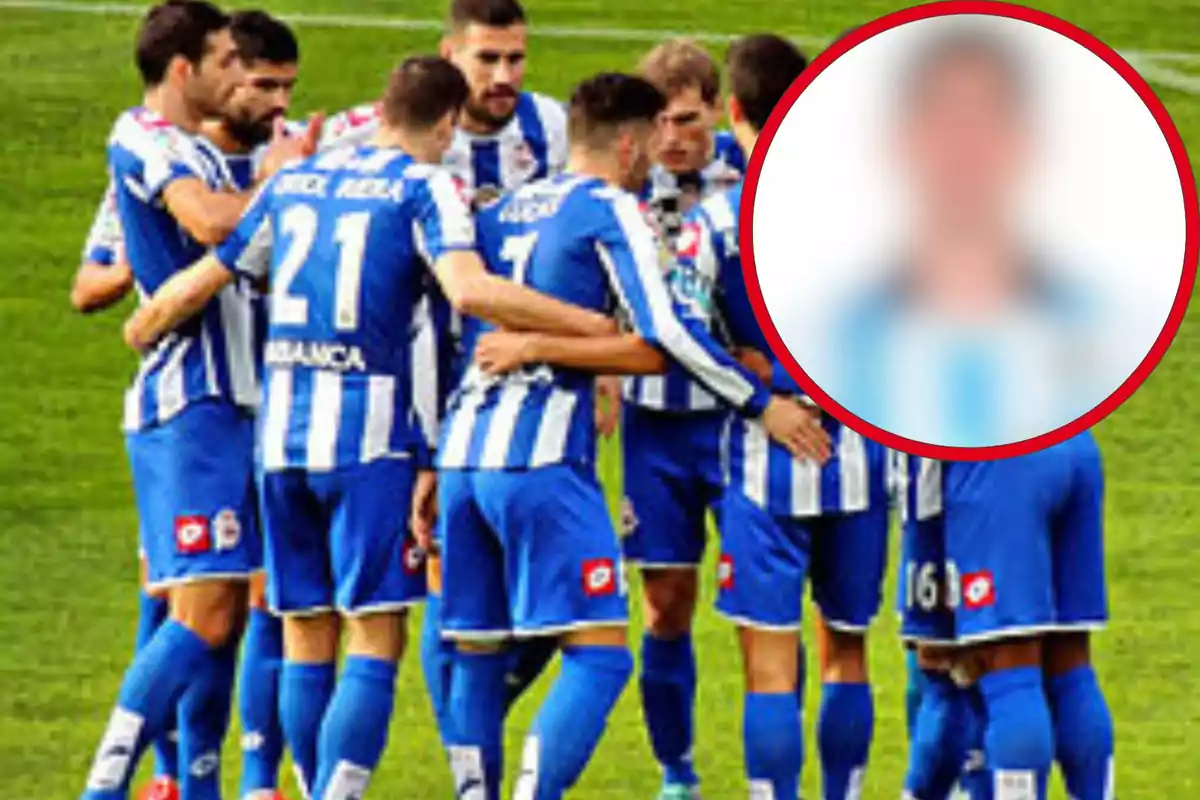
x: 528, y: 546
x: 269, y: 54
x: 346, y: 238
x: 672, y: 426
x: 189, y: 433
x: 1004, y: 560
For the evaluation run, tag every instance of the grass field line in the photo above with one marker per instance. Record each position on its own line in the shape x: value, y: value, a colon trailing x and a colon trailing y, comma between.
x: 1152, y: 64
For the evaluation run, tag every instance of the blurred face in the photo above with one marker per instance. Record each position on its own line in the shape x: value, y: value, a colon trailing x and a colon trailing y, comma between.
x: 264, y: 95
x: 493, y: 61
x: 209, y: 84
x: 635, y: 144
x: 965, y: 141
x: 685, y: 133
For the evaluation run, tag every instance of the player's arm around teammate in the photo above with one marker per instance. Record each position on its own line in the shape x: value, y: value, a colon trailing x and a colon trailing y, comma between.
x: 103, y: 277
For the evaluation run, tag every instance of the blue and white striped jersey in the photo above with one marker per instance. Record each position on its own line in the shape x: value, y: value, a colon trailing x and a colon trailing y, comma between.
x: 104, y: 245
x: 668, y: 198
x: 346, y: 237
x: 210, y: 356
x: 532, y: 145
x: 585, y: 242
x: 712, y: 280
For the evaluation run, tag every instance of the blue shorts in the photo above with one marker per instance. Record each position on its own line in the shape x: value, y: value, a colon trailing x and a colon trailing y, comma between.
x: 672, y: 465
x: 193, y: 477
x: 1024, y: 536
x: 766, y: 559
x: 339, y: 540
x: 527, y: 552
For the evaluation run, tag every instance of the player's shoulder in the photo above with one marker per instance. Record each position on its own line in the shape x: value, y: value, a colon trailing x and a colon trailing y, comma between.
x: 139, y: 129
x: 350, y: 124
x: 550, y: 112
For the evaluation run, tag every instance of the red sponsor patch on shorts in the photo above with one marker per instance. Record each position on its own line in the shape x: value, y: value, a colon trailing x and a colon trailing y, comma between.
x: 725, y: 572
x: 978, y: 590
x: 192, y: 535
x: 599, y: 577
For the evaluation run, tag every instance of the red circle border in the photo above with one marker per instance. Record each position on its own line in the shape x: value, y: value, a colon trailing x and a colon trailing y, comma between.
x: 1114, y: 61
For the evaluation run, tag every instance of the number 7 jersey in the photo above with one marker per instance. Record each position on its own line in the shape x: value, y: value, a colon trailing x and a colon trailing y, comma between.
x: 346, y: 238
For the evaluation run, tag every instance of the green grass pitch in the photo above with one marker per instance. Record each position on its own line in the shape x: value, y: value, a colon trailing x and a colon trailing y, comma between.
x: 67, y: 523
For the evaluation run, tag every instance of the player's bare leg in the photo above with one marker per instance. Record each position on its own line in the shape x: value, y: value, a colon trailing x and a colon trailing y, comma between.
x: 1083, y: 726
x: 258, y: 697
x: 774, y: 743
x: 668, y: 674
x: 1018, y: 739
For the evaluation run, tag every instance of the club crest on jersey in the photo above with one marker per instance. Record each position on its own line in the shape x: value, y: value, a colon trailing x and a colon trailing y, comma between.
x: 192, y: 535
x: 523, y: 158
x: 599, y: 577
x: 227, y: 531
x: 688, y: 243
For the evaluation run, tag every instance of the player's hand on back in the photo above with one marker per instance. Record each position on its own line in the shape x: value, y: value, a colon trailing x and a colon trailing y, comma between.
x: 284, y: 149
x: 137, y: 330
x: 608, y: 404
x: 798, y: 428
x: 500, y: 352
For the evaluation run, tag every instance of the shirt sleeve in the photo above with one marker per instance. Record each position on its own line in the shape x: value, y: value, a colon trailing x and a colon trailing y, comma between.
x: 165, y: 159
x: 105, y: 241
x: 631, y: 255
x: 247, y: 250
x: 443, y: 220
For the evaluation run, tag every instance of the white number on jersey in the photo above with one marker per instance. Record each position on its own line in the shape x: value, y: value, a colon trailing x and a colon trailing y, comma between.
x: 518, y: 250
x: 350, y: 233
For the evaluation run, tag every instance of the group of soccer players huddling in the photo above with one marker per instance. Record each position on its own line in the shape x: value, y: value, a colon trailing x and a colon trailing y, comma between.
x: 377, y: 352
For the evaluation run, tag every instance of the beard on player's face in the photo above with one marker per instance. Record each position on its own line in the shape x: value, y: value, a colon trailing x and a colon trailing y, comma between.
x: 249, y: 129
x: 492, y: 108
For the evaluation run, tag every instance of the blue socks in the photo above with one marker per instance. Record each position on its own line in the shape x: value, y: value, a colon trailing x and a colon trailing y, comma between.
x: 1019, y: 739
x: 774, y: 745
x: 304, y: 692
x: 152, y: 612
x: 152, y: 687
x: 939, y: 742
x: 477, y: 705
x: 668, y: 684
x: 437, y: 661
x: 355, y: 729
x: 572, y: 719
x: 844, y: 731
x: 258, y: 702
x: 203, y: 721
x: 1083, y: 730
x: 527, y: 660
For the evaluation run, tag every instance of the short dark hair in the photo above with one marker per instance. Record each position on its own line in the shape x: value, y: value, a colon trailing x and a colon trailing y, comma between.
x: 761, y: 68
x: 489, y: 13
x: 261, y: 37
x: 967, y: 43
x: 421, y: 91
x: 602, y: 102
x: 679, y: 64
x: 175, y: 28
